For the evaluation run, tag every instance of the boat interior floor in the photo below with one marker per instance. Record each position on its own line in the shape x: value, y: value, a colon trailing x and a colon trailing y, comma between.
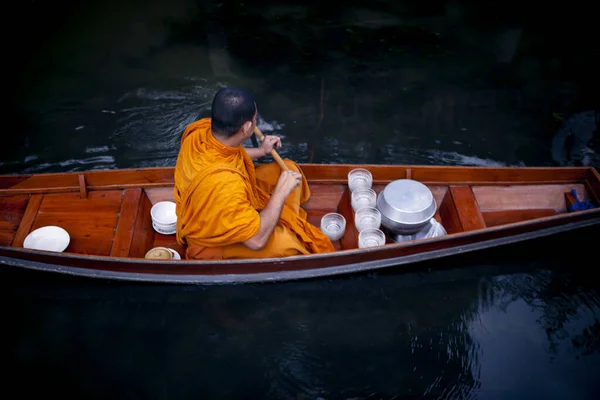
x: 117, y: 222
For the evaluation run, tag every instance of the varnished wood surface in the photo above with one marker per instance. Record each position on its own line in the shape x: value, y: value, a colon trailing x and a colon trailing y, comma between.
x: 315, y: 173
x: 107, y: 213
x: 27, y: 219
x: 467, y: 208
x: 495, y: 218
x: 126, y: 223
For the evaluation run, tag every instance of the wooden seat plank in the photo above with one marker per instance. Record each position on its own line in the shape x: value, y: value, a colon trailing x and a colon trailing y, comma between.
x: 28, y: 219
x: 467, y: 208
x: 126, y: 223
x: 501, y: 217
x: 350, y: 238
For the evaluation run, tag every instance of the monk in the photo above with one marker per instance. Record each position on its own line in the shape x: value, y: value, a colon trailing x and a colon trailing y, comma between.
x: 226, y: 207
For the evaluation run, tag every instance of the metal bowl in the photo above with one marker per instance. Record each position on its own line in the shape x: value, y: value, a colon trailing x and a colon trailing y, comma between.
x: 406, y: 206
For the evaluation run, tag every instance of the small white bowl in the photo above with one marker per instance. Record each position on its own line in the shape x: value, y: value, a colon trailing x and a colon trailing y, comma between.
x: 164, y: 230
x: 367, y: 218
x: 359, y: 178
x: 363, y: 197
x: 176, y: 255
x: 371, y: 237
x: 163, y: 213
x: 333, y: 225
x: 48, y: 238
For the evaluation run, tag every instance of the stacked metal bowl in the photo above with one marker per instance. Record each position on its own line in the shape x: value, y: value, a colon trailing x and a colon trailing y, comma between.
x: 406, y: 206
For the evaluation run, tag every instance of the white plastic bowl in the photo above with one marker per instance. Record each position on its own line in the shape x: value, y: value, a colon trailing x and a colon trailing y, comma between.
x: 163, y: 213
x: 370, y: 238
x: 359, y: 178
x: 48, y: 238
x: 333, y: 225
x: 367, y: 218
x: 163, y: 229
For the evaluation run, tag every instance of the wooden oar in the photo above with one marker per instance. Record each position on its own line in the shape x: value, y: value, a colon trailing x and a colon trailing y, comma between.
x: 260, y: 135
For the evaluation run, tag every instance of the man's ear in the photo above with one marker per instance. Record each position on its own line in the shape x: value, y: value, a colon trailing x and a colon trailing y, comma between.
x: 247, y: 128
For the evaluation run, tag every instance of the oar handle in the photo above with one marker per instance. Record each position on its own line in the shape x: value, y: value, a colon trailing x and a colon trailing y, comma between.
x: 261, y: 137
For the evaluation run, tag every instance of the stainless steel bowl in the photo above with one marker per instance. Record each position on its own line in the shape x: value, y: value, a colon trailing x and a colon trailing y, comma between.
x: 406, y: 206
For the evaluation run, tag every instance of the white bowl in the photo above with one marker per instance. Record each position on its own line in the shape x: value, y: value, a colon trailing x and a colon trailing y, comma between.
x: 48, y: 238
x: 370, y: 238
x: 359, y: 178
x: 176, y: 255
x: 167, y: 227
x: 163, y: 213
x: 169, y: 230
x: 363, y: 197
x: 333, y: 225
x: 367, y: 218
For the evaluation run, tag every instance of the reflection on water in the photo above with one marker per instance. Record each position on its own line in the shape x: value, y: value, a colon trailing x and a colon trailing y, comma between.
x: 449, y: 334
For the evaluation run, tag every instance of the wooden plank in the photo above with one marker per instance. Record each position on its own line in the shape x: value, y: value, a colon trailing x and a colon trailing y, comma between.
x: 496, y: 174
x: 13, y: 208
x: 6, y: 181
x: 445, y: 175
x: 90, y: 222
x: 143, y: 235
x: 350, y: 238
x: 82, y: 186
x: 95, y: 180
x: 593, y: 185
x: 28, y: 220
x: 324, y: 197
x: 126, y: 223
x: 139, y: 177
x: 448, y: 215
x: 451, y: 182
x: 495, y: 218
x: 6, y: 236
x: 89, y: 245
x: 524, y: 197
x: 97, y: 202
x: 47, y: 181
x: 467, y: 208
x: 11, y: 214
x: 160, y: 194
x: 315, y: 173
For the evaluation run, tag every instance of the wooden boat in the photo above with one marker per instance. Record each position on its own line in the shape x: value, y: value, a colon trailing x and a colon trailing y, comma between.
x: 107, y: 215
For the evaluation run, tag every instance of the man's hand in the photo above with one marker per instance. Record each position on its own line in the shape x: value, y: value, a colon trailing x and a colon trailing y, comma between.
x: 269, y: 144
x: 288, y: 181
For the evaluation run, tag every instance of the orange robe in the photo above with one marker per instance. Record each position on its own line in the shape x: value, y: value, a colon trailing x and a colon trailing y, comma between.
x: 219, y: 194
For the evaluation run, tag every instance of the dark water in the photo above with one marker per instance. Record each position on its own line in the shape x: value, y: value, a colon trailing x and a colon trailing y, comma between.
x: 490, y: 332
x: 112, y: 84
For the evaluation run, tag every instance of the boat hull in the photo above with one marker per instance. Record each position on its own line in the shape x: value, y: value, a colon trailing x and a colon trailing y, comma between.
x: 487, y: 213
x: 569, y: 241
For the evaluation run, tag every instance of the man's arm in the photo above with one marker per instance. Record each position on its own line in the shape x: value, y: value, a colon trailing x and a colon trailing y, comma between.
x: 255, y: 152
x: 269, y: 216
x: 265, y: 148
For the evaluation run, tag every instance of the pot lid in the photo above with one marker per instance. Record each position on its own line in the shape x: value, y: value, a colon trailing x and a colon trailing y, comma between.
x: 407, y: 195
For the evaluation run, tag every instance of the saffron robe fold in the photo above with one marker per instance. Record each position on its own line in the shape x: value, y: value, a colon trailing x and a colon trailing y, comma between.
x: 219, y: 194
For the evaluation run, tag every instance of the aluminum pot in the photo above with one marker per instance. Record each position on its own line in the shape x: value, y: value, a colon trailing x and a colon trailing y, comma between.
x: 406, y: 206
